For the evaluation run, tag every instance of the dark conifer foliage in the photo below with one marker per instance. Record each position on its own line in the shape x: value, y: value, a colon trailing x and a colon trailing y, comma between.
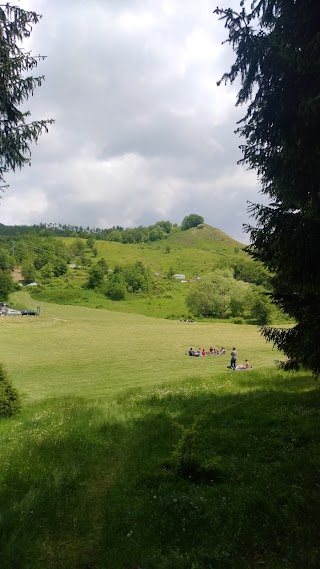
x: 16, y: 85
x: 277, y: 48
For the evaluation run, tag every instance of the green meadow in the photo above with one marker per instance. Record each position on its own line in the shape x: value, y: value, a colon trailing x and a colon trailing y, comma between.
x: 90, y: 352
x: 128, y: 454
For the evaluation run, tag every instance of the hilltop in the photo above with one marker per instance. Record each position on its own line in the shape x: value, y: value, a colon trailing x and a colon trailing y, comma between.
x: 204, y: 237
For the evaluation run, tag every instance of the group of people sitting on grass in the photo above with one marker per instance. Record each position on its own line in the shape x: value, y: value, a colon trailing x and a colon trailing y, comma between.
x: 203, y: 352
x: 221, y: 351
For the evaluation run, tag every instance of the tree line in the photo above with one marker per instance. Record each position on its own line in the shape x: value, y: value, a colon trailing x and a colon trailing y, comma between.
x: 156, y: 232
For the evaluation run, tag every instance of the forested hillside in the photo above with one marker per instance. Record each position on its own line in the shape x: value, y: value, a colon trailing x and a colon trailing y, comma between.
x: 198, y: 272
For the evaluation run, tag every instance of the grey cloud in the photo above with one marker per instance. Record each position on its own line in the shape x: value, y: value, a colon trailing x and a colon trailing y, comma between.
x: 142, y: 132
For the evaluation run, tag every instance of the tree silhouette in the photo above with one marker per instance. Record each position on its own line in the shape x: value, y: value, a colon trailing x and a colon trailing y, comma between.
x: 277, y: 48
x: 16, y: 86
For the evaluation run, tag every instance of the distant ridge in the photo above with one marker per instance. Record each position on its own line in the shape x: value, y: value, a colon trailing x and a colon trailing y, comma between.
x: 201, y: 237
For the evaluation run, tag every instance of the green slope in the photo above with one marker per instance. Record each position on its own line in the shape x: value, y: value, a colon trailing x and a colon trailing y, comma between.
x: 192, y: 252
x: 197, y: 251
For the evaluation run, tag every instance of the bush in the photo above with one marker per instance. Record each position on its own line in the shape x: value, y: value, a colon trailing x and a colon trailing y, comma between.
x: 192, y: 220
x: 117, y: 291
x: 262, y: 309
x: 9, y: 398
x: 238, y: 320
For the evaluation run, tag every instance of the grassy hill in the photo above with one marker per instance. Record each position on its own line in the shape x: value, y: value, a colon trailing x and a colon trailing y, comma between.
x: 194, y: 252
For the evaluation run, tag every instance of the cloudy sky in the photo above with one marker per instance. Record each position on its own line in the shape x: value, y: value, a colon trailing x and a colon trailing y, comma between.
x: 142, y: 132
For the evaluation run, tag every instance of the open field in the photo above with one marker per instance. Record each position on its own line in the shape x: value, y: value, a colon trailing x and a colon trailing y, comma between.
x: 128, y: 454
x: 158, y: 305
x: 87, y: 352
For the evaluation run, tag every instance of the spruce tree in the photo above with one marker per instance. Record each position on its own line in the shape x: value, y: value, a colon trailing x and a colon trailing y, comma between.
x: 277, y: 49
x: 17, y: 132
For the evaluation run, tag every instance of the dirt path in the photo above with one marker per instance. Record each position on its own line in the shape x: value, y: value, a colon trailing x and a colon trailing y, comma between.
x: 17, y: 275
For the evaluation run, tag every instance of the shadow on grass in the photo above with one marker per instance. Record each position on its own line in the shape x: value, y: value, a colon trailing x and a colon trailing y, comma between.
x: 176, y: 478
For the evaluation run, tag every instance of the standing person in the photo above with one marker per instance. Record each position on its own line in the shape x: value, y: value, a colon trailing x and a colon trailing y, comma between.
x: 233, y: 362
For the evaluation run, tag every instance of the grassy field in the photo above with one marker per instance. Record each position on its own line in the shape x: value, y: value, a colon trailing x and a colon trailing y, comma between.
x: 87, y: 352
x: 158, y: 305
x: 128, y: 454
